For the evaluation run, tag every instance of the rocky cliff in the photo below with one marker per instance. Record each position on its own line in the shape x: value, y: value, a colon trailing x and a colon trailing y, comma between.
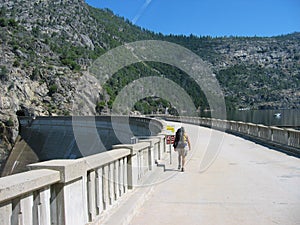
x: 36, y: 77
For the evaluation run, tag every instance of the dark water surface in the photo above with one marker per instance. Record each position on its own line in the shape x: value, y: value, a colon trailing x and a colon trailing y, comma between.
x: 288, y: 118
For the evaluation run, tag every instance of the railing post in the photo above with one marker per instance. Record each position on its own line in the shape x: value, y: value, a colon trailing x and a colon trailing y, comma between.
x: 111, y: 183
x: 70, y: 194
x: 134, y: 165
x: 42, y: 213
x: 5, y: 213
x: 152, y: 153
x: 132, y: 170
x: 160, y: 146
x: 99, y: 185
x: 105, y: 187
x: 131, y: 164
x: 22, y: 213
x: 271, y: 133
x: 125, y: 174
x: 117, y: 179
x: 163, y: 144
x: 286, y: 137
x: 91, y: 179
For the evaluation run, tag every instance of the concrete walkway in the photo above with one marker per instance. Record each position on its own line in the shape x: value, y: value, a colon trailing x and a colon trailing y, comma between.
x: 246, y: 184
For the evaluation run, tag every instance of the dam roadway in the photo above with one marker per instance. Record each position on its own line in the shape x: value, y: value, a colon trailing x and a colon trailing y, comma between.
x: 246, y: 184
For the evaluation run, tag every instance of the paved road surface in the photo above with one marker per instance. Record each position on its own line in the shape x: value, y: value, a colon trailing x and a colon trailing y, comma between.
x: 246, y: 184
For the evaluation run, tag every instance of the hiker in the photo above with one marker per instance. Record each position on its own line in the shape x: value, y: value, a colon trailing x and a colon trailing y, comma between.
x: 181, y: 144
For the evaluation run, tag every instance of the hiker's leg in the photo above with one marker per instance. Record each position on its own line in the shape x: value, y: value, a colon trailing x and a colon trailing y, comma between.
x: 183, y: 160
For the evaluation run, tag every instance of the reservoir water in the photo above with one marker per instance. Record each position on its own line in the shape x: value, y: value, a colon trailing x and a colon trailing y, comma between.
x: 285, y: 117
x: 281, y: 118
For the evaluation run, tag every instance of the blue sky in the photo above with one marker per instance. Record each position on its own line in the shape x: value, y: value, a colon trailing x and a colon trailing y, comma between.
x: 209, y: 17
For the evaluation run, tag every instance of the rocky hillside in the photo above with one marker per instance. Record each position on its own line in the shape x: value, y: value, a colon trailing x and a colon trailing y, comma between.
x: 256, y: 72
x: 47, y: 46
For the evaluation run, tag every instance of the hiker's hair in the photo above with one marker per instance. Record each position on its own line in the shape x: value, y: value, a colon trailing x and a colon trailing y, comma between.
x: 182, y: 129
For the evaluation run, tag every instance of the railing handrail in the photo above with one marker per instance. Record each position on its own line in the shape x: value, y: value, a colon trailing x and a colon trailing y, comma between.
x: 105, y: 158
x: 22, y: 183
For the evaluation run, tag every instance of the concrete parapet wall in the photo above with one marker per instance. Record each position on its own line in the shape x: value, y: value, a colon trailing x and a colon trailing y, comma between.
x: 78, y: 191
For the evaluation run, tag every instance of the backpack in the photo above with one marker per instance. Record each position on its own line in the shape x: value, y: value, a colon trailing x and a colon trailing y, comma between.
x: 179, y: 139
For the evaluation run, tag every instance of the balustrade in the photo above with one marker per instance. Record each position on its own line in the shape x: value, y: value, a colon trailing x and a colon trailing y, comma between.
x: 284, y: 137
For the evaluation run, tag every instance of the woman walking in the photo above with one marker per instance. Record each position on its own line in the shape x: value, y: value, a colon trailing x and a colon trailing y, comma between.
x: 181, y: 144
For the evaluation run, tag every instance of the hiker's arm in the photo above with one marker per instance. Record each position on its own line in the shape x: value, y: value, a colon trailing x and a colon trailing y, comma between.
x: 189, y: 143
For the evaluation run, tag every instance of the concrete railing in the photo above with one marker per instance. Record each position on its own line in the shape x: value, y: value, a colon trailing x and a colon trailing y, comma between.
x: 281, y: 137
x: 78, y: 191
